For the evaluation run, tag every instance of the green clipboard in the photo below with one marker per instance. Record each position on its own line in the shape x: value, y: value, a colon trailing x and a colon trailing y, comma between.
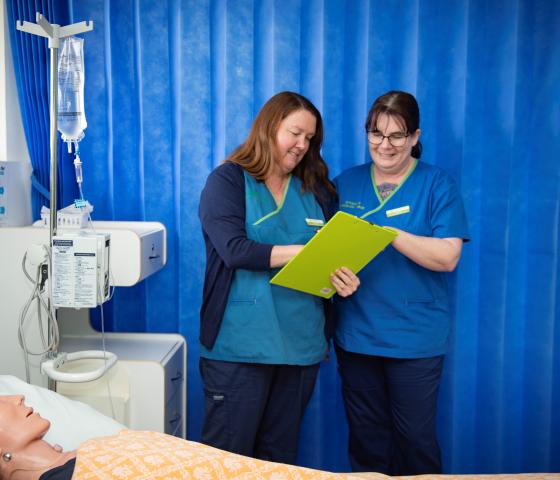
x: 345, y: 241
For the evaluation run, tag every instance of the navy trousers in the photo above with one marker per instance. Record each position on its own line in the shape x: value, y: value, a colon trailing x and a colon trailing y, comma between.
x: 255, y: 409
x: 390, y: 405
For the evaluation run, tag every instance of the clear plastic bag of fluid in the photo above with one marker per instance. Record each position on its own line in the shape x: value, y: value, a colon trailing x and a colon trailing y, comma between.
x: 71, y: 114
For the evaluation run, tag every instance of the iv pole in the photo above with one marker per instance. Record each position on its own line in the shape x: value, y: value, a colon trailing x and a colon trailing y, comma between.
x: 54, y: 33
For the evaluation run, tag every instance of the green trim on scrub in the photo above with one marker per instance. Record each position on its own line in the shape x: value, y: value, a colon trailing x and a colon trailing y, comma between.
x: 383, y: 202
x: 279, y: 206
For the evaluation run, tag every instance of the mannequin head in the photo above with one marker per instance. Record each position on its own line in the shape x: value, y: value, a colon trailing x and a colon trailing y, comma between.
x: 19, y: 424
x: 23, y: 453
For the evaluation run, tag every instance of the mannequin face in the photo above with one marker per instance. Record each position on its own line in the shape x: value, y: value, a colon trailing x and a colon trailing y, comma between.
x: 19, y: 424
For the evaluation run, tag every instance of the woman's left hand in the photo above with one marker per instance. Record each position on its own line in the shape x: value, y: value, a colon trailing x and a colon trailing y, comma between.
x: 345, y: 281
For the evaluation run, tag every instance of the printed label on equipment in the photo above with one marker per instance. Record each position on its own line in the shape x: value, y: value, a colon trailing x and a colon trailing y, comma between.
x: 74, y: 272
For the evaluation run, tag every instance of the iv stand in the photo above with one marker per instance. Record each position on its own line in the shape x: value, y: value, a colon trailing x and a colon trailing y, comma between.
x: 54, y: 33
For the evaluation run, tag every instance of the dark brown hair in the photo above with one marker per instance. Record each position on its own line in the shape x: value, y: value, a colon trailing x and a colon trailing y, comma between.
x: 255, y: 154
x: 403, y: 107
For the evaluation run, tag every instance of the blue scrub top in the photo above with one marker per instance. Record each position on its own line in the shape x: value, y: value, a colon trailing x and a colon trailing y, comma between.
x: 265, y: 323
x: 401, y: 309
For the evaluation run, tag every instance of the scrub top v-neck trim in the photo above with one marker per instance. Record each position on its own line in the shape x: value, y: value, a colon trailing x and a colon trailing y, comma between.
x: 278, y: 205
x: 383, y: 201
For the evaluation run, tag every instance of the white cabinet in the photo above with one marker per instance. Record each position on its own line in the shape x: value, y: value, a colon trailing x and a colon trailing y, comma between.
x: 146, y: 390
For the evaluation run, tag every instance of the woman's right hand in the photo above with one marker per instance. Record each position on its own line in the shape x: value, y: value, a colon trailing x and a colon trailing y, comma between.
x: 282, y: 254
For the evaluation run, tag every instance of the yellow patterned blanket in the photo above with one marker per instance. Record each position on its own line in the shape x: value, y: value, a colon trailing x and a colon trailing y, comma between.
x: 134, y: 455
x: 150, y: 455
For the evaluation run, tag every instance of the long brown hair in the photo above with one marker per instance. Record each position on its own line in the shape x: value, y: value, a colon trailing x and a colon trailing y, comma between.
x: 256, y: 153
x: 403, y: 107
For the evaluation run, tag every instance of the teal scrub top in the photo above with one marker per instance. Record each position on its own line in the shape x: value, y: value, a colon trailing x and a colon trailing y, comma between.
x: 401, y: 309
x: 265, y: 323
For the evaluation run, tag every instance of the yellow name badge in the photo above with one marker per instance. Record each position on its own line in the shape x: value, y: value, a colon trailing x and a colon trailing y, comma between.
x: 398, y: 211
x: 314, y: 222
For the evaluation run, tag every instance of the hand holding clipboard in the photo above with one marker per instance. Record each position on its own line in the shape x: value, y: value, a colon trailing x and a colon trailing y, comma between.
x: 345, y: 241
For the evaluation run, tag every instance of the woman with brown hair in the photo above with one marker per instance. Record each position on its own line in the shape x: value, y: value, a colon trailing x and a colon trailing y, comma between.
x: 261, y: 344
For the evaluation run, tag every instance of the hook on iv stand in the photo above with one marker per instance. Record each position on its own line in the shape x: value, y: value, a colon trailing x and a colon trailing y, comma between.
x: 52, y: 31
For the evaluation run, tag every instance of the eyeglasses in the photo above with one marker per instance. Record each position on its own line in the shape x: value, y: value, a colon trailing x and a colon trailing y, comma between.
x: 395, y: 139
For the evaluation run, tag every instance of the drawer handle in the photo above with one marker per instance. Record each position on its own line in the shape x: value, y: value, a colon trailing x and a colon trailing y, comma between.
x: 153, y: 257
x: 176, y: 419
x: 178, y: 376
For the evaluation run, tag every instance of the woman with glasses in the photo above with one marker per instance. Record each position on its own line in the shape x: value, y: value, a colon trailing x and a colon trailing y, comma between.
x: 261, y: 344
x: 391, y: 335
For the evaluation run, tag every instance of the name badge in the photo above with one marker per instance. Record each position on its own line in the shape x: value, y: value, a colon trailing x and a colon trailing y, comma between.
x: 314, y: 222
x: 398, y: 211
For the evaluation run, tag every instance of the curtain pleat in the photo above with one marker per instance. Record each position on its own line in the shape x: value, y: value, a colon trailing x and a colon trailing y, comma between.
x: 263, y: 47
x: 215, y: 37
x: 172, y: 87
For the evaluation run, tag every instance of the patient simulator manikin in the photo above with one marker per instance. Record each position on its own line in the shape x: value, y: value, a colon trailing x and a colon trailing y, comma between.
x: 24, y: 455
x: 23, y: 452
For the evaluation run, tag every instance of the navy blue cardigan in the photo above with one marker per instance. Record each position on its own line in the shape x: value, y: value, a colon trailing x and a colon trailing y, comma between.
x: 228, y: 248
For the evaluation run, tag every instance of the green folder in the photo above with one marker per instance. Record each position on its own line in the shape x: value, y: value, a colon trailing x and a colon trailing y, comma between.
x: 345, y: 241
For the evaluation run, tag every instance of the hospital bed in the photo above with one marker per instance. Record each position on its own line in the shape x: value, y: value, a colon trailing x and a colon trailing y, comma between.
x: 196, y: 460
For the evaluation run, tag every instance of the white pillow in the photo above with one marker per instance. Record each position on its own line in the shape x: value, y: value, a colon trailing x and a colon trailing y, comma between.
x: 72, y: 422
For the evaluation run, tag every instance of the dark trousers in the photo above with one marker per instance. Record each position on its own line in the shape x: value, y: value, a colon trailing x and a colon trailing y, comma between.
x: 255, y: 409
x: 390, y: 405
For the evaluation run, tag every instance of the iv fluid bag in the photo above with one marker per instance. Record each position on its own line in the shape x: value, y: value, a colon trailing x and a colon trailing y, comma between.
x: 71, y: 115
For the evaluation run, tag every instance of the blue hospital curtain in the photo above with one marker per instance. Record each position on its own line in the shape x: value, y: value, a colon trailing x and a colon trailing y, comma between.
x: 172, y: 87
